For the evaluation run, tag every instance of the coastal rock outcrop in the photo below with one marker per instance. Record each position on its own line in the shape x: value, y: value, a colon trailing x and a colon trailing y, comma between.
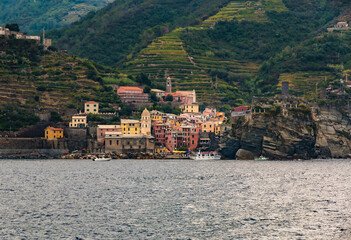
x: 296, y: 134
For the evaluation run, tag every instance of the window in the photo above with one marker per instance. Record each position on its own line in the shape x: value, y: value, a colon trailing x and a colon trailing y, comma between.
x: 87, y: 105
x: 110, y: 142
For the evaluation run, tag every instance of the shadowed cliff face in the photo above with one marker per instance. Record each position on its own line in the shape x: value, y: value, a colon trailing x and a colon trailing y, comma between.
x: 294, y: 135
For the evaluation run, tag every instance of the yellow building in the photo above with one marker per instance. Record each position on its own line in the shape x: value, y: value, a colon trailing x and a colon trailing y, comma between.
x: 218, y: 129
x: 52, y: 133
x: 190, y: 108
x: 130, y: 126
x: 161, y: 149
x: 209, y: 127
x: 220, y: 116
x: 156, y: 116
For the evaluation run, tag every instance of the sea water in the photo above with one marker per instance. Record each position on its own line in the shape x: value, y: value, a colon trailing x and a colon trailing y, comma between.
x: 180, y: 199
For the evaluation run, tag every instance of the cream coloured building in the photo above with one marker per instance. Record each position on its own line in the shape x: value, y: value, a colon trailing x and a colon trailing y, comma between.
x: 78, y: 121
x: 145, y: 127
x: 91, y: 107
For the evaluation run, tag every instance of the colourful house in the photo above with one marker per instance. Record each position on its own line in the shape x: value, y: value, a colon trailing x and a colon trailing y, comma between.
x: 52, y: 133
x: 130, y: 126
x: 190, y: 108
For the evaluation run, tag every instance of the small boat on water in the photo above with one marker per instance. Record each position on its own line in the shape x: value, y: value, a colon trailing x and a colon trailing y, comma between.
x: 102, y: 159
x: 261, y: 158
x: 206, y: 156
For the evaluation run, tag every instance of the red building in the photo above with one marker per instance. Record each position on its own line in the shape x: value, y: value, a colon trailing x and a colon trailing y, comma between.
x: 159, y: 132
x: 132, y: 95
x: 241, y: 109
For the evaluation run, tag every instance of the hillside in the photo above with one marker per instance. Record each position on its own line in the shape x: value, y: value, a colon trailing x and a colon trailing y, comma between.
x: 124, y: 27
x: 33, y: 15
x: 222, y: 56
x: 35, y: 80
x: 228, y: 51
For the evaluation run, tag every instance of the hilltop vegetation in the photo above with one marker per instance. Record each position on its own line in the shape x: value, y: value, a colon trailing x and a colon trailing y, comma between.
x: 34, y: 15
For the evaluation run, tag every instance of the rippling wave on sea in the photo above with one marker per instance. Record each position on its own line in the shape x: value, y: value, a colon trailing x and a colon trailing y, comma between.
x: 149, y: 199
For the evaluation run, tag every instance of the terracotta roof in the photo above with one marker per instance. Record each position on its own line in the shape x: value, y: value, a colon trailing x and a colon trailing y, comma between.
x: 131, y: 88
x: 91, y: 102
x: 55, y: 129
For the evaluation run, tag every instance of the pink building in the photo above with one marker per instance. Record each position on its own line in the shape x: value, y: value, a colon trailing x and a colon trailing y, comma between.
x: 102, y: 129
x: 241, y: 109
x: 174, y: 139
x: 210, y: 112
x: 181, y: 97
x: 190, y: 137
x: 132, y: 95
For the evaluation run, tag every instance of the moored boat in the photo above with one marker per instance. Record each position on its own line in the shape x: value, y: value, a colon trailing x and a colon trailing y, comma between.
x: 102, y: 159
x: 206, y: 156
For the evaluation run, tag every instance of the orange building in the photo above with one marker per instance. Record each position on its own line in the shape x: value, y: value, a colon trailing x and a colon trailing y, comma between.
x: 52, y: 133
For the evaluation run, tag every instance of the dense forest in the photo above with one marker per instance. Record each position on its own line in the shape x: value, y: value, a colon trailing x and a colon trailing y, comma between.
x: 34, y: 15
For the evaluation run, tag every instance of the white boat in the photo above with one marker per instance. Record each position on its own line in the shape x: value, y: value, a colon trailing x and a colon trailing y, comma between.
x: 206, y: 156
x: 102, y: 159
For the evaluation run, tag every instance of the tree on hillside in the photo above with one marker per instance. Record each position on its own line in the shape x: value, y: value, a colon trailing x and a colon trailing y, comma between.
x: 169, y: 98
x: 13, y: 27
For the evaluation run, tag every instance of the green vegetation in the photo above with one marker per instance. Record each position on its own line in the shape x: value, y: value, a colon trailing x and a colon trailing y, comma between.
x: 124, y: 27
x: 34, y: 79
x: 33, y: 16
x: 13, y: 118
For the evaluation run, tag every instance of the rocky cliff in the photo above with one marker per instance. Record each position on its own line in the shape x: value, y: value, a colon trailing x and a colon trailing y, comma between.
x: 291, y: 134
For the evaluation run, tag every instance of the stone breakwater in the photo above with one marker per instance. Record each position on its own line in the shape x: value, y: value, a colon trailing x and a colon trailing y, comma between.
x: 296, y: 135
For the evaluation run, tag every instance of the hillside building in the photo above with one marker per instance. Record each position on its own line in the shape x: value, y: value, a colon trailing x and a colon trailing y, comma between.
x: 52, y: 133
x: 91, y: 107
x: 78, y: 121
x: 240, y: 111
x: 132, y: 95
x: 159, y: 93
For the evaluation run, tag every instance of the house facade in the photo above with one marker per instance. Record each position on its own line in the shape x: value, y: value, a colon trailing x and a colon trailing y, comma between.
x: 78, y: 122
x: 136, y: 143
x: 130, y: 127
x: 91, y: 107
x: 132, y: 95
x: 52, y: 133
x: 103, y: 129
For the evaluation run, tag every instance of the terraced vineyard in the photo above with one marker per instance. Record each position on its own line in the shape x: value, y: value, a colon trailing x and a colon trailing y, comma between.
x: 166, y: 55
x: 249, y: 11
x: 304, y: 84
x: 57, y: 82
